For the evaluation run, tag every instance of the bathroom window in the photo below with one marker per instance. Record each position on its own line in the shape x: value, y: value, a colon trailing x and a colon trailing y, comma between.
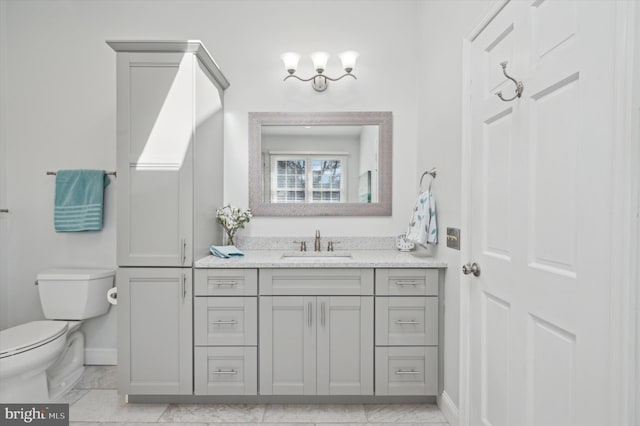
x: 308, y: 178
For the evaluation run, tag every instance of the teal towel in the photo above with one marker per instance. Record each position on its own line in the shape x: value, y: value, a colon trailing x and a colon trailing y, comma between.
x: 79, y: 200
x: 225, y: 252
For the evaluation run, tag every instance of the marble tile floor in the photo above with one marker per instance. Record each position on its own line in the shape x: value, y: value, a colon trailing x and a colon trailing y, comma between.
x: 95, y: 402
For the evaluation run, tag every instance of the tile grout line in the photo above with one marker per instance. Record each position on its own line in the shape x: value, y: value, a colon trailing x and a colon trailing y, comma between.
x: 162, y: 414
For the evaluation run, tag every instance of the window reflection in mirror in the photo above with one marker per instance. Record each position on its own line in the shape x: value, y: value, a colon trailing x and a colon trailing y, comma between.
x: 320, y: 164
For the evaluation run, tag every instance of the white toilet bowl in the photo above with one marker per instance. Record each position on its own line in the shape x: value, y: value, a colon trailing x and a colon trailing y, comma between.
x: 41, y: 360
x: 26, y: 352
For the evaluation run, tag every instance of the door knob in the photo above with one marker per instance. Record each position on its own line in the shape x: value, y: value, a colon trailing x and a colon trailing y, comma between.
x: 473, y: 268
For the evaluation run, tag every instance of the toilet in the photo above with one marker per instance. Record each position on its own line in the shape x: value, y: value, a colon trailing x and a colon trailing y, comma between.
x: 42, y: 360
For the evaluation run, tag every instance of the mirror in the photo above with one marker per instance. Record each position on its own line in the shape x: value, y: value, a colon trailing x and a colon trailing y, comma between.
x: 320, y: 164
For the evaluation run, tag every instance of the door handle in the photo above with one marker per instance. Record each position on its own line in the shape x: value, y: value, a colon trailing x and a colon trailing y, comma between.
x: 183, y: 251
x: 322, y: 314
x: 473, y: 268
x: 184, y: 286
x: 309, y: 313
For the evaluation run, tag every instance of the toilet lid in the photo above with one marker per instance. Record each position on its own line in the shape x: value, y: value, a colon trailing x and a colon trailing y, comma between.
x: 32, y: 334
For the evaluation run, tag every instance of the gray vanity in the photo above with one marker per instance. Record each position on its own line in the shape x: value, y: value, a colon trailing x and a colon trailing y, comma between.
x: 288, y: 327
x: 271, y: 326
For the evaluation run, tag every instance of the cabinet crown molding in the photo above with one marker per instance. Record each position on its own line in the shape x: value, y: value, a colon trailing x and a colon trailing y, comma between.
x: 187, y: 46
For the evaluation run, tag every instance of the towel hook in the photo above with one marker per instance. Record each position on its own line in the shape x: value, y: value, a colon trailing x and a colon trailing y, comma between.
x: 431, y: 173
x: 519, y: 85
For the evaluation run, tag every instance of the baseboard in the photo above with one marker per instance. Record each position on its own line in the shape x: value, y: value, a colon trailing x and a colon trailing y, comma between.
x: 100, y: 356
x: 449, y: 409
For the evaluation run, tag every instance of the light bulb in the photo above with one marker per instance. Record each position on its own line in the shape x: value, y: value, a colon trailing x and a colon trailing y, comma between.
x: 290, y: 60
x: 320, y: 61
x: 348, y: 60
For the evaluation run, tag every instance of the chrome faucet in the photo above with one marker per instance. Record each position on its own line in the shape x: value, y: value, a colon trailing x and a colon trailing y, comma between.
x: 316, y: 244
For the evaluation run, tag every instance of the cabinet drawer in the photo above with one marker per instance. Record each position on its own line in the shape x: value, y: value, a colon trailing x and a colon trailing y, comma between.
x: 406, y: 321
x: 226, y: 282
x: 407, y: 282
x: 225, y: 371
x: 407, y: 371
x: 230, y: 321
x: 320, y: 282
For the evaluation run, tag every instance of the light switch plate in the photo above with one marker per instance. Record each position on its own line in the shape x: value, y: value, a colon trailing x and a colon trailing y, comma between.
x: 453, y: 238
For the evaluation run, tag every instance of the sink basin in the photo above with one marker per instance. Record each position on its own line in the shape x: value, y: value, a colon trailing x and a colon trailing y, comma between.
x: 319, y: 256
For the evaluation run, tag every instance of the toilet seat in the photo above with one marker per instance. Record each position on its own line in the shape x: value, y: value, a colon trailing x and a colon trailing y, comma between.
x: 24, y: 337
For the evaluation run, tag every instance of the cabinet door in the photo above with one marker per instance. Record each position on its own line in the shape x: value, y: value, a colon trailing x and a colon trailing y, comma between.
x: 155, y: 165
x: 287, y: 345
x: 345, y: 345
x: 155, y: 331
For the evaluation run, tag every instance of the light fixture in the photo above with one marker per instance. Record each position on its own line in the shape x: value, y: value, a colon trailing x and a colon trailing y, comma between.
x: 320, y: 81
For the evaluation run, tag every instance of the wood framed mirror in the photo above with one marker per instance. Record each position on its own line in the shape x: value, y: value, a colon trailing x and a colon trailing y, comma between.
x: 320, y: 163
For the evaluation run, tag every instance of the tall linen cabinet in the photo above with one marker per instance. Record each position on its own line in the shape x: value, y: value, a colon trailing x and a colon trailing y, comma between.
x: 170, y: 174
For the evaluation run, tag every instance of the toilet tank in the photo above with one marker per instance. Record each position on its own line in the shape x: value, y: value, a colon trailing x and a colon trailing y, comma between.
x: 74, y: 294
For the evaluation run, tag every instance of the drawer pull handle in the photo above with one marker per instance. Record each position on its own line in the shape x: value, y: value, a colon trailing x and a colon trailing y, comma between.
x: 219, y: 322
x: 218, y: 371
x: 401, y: 372
x: 408, y: 322
x: 225, y: 283
x: 408, y: 282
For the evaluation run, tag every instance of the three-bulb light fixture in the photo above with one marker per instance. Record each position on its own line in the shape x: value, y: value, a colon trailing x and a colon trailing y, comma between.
x: 320, y: 81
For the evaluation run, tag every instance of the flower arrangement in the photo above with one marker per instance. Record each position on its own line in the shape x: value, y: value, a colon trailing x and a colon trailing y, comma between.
x: 232, y: 218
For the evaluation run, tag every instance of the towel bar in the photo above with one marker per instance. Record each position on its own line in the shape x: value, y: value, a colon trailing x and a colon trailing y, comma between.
x: 108, y: 173
x: 431, y: 173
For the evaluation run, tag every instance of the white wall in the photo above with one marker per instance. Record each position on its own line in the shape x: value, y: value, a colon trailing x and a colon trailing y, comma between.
x: 385, y: 34
x: 60, y: 101
x: 444, y: 24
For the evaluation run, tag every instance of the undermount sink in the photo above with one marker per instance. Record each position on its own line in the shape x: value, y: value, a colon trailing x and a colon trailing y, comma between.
x: 320, y: 256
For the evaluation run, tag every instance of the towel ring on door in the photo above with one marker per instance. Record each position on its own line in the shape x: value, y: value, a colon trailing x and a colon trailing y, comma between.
x: 431, y: 173
x: 519, y: 85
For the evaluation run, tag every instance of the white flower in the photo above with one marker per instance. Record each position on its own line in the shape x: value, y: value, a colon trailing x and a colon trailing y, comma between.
x: 232, y: 218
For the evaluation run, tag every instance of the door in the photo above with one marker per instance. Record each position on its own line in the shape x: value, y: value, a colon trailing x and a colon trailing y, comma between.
x: 155, y: 331
x: 540, y: 229
x: 287, y: 345
x: 155, y: 164
x: 345, y: 345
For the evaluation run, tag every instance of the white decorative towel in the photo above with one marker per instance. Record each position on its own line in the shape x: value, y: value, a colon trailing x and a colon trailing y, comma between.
x: 423, y: 229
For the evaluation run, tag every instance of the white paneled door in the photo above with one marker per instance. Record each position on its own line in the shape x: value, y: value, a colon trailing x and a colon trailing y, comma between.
x: 541, y: 179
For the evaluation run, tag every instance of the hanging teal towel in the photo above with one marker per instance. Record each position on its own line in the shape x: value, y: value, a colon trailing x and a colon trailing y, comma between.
x: 79, y: 200
x: 225, y: 252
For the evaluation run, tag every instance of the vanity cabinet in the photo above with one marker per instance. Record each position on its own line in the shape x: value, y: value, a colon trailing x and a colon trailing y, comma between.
x: 170, y: 172
x: 169, y: 152
x: 407, y: 331
x: 155, y: 331
x: 225, y: 332
x: 316, y: 344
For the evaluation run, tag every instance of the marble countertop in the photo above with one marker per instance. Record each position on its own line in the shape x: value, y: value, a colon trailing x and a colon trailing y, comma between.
x: 289, y: 259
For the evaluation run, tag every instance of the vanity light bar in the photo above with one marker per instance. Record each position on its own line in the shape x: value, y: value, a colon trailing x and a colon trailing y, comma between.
x: 320, y: 81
